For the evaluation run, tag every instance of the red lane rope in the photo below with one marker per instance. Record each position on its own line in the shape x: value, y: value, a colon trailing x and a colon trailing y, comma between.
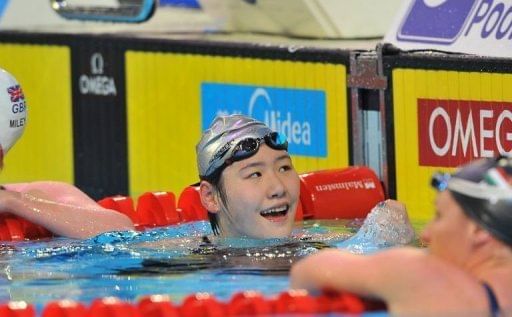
x: 248, y: 303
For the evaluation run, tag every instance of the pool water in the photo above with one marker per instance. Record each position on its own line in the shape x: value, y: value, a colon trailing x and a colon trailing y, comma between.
x: 175, y: 261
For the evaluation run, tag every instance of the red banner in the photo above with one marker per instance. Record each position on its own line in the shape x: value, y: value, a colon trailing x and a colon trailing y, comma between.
x: 452, y: 132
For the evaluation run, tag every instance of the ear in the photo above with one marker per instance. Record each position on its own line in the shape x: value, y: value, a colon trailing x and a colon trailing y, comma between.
x: 208, y: 197
x: 481, y: 236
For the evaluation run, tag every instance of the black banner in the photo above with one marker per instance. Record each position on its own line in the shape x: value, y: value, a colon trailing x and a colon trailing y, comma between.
x: 99, y: 119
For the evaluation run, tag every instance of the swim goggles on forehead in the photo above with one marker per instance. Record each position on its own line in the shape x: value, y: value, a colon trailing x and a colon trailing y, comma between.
x: 490, y: 183
x: 493, y: 172
x: 245, y: 148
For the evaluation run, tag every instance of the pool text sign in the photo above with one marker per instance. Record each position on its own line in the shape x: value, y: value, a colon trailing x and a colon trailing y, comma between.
x: 452, y: 132
x: 482, y: 27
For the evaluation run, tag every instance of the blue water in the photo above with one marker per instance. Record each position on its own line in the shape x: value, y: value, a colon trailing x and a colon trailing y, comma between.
x: 170, y: 261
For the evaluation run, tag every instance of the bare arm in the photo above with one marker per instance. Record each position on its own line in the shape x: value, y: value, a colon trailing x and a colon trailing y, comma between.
x: 62, y: 209
x: 386, y: 275
x: 409, y: 280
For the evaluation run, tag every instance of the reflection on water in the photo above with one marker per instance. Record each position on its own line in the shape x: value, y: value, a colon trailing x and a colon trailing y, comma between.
x: 273, y: 259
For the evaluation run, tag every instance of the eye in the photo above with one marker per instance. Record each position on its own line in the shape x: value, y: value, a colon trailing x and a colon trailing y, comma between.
x: 285, y: 168
x: 254, y: 175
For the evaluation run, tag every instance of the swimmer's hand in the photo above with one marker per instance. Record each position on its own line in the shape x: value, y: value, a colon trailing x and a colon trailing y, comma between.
x: 395, y: 206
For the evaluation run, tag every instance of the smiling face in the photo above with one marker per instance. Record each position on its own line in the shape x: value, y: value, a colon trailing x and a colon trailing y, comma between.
x: 450, y: 234
x: 262, y: 192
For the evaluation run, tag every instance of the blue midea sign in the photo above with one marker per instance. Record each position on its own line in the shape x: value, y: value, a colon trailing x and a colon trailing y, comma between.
x: 298, y: 113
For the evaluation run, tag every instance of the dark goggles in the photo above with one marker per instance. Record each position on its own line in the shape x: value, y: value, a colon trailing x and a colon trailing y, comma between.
x: 440, y: 180
x: 250, y: 146
x: 247, y: 148
x: 477, y: 172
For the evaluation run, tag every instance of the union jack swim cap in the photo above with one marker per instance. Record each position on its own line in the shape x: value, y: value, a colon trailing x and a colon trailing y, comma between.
x: 13, y: 111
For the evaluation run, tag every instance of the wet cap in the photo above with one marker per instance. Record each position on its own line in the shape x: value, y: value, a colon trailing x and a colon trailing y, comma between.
x: 220, y: 138
x: 483, y: 189
x: 13, y: 113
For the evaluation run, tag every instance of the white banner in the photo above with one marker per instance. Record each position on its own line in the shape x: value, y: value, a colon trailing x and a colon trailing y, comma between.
x: 482, y: 27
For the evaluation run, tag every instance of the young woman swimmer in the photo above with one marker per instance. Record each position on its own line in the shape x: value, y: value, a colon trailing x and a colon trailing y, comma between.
x: 60, y: 207
x: 467, y: 269
x: 251, y: 189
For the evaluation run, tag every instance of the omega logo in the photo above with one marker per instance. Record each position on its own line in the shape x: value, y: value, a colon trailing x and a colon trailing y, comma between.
x: 98, y: 84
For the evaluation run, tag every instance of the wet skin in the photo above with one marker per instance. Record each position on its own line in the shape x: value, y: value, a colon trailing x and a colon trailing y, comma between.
x: 262, y: 194
x: 449, y: 234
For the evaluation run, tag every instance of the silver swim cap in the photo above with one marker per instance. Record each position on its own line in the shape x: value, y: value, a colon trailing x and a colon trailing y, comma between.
x: 483, y: 188
x: 13, y: 112
x: 219, y: 141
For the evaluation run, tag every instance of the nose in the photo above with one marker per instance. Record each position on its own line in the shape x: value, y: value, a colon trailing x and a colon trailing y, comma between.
x: 276, y: 186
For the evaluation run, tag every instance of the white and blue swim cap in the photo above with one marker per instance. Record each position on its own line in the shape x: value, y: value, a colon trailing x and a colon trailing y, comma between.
x: 13, y: 111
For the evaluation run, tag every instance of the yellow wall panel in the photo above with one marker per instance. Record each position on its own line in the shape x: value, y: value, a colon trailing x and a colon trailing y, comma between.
x: 45, y: 151
x: 164, y: 110
x: 409, y: 85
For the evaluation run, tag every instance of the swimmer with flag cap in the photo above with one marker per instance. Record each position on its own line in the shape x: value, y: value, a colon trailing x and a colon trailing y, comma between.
x: 12, y: 123
x: 467, y: 267
x: 61, y: 208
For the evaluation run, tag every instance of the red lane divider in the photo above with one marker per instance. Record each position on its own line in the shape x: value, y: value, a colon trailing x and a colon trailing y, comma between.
x: 14, y: 228
x: 202, y: 304
x: 33, y: 231
x: 248, y: 303
x: 157, y: 306
x: 295, y: 301
x: 190, y: 205
x: 122, y: 204
x: 65, y: 308
x: 345, y: 193
x: 342, y: 303
x: 156, y: 209
x: 17, y: 309
x: 112, y: 307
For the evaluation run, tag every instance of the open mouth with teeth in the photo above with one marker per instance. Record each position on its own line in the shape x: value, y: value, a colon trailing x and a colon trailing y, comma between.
x: 275, y: 213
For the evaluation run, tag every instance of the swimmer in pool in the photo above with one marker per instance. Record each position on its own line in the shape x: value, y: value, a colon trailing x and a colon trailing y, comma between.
x: 467, y: 269
x: 248, y: 183
x: 61, y: 208
x: 251, y: 190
